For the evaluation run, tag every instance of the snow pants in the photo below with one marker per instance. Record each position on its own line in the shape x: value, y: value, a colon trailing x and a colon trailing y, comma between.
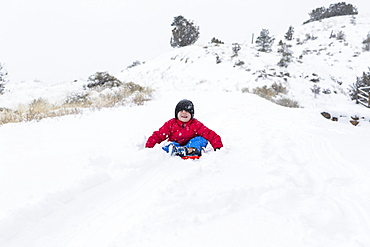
x: 197, y: 142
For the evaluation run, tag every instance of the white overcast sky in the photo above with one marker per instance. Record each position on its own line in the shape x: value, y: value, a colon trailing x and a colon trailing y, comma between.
x: 54, y: 40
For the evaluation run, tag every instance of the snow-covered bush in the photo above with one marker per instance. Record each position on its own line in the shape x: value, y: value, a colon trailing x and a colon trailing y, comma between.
x: 78, y: 99
x: 103, y: 79
x: 239, y: 63
x: 340, y: 36
x: 245, y: 90
x: 134, y: 64
x: 218, y: 59
x: 216, y: 41
x: 310, y: 37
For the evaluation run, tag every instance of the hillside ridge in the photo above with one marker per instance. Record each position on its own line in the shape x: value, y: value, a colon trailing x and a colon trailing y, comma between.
x: 332, y: 64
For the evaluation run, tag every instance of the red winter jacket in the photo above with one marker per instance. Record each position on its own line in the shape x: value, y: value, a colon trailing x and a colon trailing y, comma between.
x: 176, y: 131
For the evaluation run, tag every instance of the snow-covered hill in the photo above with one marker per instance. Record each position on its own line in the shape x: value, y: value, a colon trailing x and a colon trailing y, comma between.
x: 286, y: 176
x: 335, y: 63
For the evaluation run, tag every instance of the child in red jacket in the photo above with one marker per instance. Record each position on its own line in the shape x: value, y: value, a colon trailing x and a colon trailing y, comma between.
x: 187, y: 135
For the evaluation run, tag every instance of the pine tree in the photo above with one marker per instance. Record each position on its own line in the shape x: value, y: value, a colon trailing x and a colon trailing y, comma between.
x: 236, y: 48
x: 289, y: 34
x: 362, y: 81
x: 316, y: 90
x: 318, y: 14
x: 264, y: 41
x: 340, y: 9
x: 286, y: 53
x: 366, y: 43
x: 337, y: 9
x: 3, y: 78
x: 184, y: 33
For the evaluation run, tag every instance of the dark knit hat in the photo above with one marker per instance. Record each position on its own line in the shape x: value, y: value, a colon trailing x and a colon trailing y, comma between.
x: 185, y: 105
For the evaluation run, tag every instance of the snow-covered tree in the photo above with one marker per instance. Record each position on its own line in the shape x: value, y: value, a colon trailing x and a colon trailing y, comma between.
x: 340, y: 9
x: 236, y: 48
x: 337, y: 9
x: 134, y: 64
x: 184, y: 32
x: 286, y: 54
x: 366, y: 43
x: 362, y: 81
x: 289, y: 33
x: 3, y: 78
x: 316, y: 90
x: 353, y: 20
x: 264, y: 41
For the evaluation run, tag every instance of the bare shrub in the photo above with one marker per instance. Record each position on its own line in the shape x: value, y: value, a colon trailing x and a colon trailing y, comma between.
x: 140, y: 98
x: 111, y: 99
x: 270, y: 93
x: 132, y: 87
x: 287, y: 103
x: 279, y: 88
x: 265, y: 92
x: 245, y: 90
x: 8, y: 116
x: 92, y: 98
x: 78, y: 100
x: 37, y: 110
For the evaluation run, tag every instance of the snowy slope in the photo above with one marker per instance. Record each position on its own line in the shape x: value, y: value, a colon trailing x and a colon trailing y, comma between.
x: 332, y: 60
x: 286, y: 177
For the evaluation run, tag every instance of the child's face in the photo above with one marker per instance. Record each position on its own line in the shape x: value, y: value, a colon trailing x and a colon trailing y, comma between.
x: 184, y: 116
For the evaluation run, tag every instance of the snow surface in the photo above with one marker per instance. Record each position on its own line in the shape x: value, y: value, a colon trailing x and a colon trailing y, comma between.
x: 286, y: 177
